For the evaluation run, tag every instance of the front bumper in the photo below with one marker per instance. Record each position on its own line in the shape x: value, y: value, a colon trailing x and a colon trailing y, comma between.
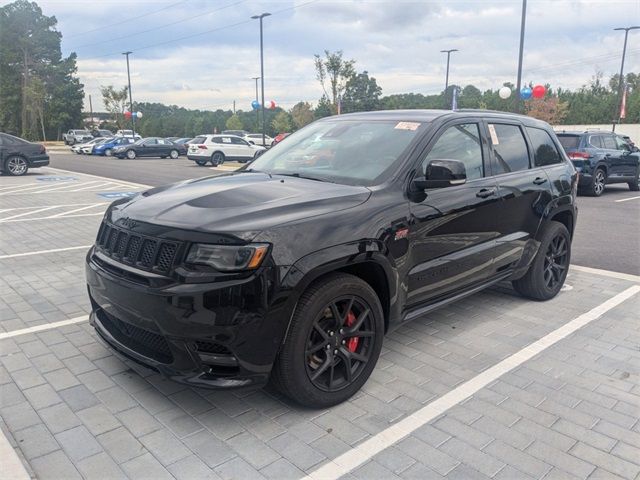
x: 215, y: 335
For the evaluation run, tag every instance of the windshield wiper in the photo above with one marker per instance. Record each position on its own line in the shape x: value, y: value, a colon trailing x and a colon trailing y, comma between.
x: 306, y: 177
x: 251, y: 170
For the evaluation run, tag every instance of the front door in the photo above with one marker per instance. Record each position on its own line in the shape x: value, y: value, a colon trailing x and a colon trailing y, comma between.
x: 243, y: 150
x: 453, y: 231
x: 625, y: 163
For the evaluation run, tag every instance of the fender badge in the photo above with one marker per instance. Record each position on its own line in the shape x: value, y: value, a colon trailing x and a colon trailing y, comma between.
x: 401, y: 233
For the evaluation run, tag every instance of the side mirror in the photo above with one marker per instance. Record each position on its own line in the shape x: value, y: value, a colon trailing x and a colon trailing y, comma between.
x: 442, y: 173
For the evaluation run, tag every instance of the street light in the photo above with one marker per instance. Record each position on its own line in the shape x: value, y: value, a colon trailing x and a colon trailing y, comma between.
x: 257, y: 109
x: 260, y: 17
x: 133, y: 119
x: 448, y: 52
x: 621, y: 79
x: 523, y: 22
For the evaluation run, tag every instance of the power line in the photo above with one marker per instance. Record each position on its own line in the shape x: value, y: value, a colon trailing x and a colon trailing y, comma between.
x: 581, y: 61
x: 111, y: 25
x: 110, y: 40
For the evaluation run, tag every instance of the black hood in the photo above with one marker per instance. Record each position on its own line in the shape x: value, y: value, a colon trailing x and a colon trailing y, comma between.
x: 238, y: 202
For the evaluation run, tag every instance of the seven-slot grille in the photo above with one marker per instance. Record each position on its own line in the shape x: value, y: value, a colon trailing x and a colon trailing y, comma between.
x: 142, y: 252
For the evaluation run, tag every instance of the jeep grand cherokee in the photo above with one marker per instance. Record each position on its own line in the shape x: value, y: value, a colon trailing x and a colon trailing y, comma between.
x: 294, y: 267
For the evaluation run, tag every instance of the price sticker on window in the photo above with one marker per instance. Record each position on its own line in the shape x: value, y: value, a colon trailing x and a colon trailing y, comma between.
x: 413, y: 126
x: 494, y: 135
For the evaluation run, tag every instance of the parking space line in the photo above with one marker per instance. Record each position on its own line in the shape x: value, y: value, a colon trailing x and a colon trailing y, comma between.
x: 348, y: 461
x: 64, y: 214
x: 53, y: 216
x: 606, y: 273
x: 44, y: 326
x: 97, y: 185
x: 4, y: 210
x: 39, y: 252
x: 140, y: 185
x: 39, y: 188
x: 26, y: 213
x: 627, y: 199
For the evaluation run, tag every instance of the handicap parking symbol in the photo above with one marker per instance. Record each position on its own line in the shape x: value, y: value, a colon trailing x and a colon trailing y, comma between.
x: 117, y: 194
x: 56, y: 178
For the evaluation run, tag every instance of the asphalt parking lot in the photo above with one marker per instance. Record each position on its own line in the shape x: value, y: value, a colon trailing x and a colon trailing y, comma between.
x: 493, y: 386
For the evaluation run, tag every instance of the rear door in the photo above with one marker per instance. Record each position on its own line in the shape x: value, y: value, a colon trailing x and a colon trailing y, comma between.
x: 523, y: 186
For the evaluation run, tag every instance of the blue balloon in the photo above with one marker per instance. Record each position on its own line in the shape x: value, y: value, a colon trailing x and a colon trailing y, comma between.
x: 255, y: 105
x: 525, y: 93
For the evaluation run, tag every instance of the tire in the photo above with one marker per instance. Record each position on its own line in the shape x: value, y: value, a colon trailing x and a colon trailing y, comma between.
x: 16, y: 166
x: 217, y: 159
x: 108, y: 152
x: 635, y: 186
x: 174, y: 154
x: 131, y: 154
x: 549, y: 268
x: 72, y: 142
x: 202, y: 163
x: 310, y: 378
x: 597, y: 183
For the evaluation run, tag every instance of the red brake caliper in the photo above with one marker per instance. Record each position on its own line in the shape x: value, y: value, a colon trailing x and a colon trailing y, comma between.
x: 352, y: 343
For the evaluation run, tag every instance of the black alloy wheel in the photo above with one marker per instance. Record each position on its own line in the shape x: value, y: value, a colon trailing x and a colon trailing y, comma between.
x: 556, y: 261
x: 635, y: 186
x: 339, y: 344
x: 333, y: 342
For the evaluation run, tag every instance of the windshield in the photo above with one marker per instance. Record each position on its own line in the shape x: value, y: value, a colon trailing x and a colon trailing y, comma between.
x: 353, y: 152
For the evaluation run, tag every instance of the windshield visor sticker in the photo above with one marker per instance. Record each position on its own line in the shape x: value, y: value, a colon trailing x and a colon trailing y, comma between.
x: 413, y: 126
x: 494, y: 135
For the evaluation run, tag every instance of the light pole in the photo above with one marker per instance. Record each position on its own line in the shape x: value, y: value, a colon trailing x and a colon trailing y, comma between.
x: 520, y: 53
x: 257, y: 109
x: 621, y: 79
x: 446, y: 80
x: 260, y: 17
x: 133, y: 118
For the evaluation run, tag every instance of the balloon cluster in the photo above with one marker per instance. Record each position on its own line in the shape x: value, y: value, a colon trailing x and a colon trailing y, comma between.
x: 128, y: 115
x: 525, y: 92
x: 256, y: 105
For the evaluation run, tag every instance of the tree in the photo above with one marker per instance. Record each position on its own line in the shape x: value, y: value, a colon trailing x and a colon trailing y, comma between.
x: 324, y: 108
x: 549, y: 109
x: 115, y: 102
x: 301, y: 114
x: 335, y: 70
x: 31, y: 62
x: 361, y: 94
x: 234, y: 122
x: 282, y: 122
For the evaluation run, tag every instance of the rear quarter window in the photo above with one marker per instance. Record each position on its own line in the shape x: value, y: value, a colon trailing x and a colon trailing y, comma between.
x: 545, y: 151
x: 569, y: 141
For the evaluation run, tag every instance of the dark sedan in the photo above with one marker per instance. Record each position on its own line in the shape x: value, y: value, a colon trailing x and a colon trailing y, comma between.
x: 179, y: 143
x: 148, y: 147
x: 18, y: 155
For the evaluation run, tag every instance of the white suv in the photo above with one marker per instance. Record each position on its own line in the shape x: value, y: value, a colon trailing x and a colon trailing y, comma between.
x: 256, y: 138
x: 219, y: 148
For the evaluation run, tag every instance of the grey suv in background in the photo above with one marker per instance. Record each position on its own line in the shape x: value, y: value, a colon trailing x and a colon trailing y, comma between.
x: 602, y: 158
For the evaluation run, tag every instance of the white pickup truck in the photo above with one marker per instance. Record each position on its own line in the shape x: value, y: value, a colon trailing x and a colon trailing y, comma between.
x: 77, y: 136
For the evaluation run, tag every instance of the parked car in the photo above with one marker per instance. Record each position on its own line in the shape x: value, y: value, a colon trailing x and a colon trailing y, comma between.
x: 18, y: 155
x: 602, y: 158
x: 278, y: 138
x: 219, y: 148
x: 77, y: 136
x: 182, y: 148
x: 85, y: 147
x: 256, y: 139
x: 147, y: 147
x: 183, y: 140
x: 98, y: 132
x: 237, y: 133
x: 296, y: 273
x: 106, y: 148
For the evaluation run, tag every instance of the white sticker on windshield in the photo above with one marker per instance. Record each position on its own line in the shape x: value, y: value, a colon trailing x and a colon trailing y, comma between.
x: 494, y: 135
x: 407, y: 126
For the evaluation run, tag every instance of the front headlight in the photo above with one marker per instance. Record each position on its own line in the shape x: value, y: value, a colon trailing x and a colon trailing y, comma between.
x: 228, y: 258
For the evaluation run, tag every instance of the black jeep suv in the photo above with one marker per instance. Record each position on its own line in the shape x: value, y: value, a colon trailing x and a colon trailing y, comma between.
x: 294, y: 267
x: 602, y: 158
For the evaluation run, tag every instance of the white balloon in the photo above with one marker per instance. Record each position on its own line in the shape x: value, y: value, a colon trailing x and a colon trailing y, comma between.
x: 504, y: 92
x: 139, y: 114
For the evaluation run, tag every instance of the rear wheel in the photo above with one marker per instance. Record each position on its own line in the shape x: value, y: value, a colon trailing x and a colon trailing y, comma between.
x: 217, y: 159
x: 597, y: 183
x: 333, y: 343
x: 202, y: 163
x: 549, y: 268
x: 131, y: 154
x: 173, y: 154
x: 108, y: 152
x: 16, y: 166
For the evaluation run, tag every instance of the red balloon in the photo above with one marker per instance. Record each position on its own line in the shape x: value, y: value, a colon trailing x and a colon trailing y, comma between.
x: 272, y: 105
x: 127, y: 115
x: 539, y: 91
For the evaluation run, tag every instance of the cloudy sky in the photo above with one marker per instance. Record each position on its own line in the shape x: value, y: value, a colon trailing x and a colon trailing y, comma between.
x: 203, y: 53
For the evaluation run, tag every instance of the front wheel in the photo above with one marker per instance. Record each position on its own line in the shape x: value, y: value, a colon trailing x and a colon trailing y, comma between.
x: 549, y: 268
x: 333, y: 343
x: 131, y: 154
x: 173, y: 154
x: 635, y: 186
x: 16, y: 166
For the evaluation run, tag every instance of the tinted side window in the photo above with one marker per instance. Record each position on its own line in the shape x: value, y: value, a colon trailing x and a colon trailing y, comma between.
x: 594, y: 141
x: 238, y: 141
x: 151, y: 141
x: 509, y: 147
x: 459, y: 142
x: 544, y: 150
x: 608, y: 142
x: 621, y: 143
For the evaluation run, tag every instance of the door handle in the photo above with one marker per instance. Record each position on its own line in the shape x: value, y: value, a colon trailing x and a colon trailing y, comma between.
x: 486, y: 192
x: 539, y: 180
